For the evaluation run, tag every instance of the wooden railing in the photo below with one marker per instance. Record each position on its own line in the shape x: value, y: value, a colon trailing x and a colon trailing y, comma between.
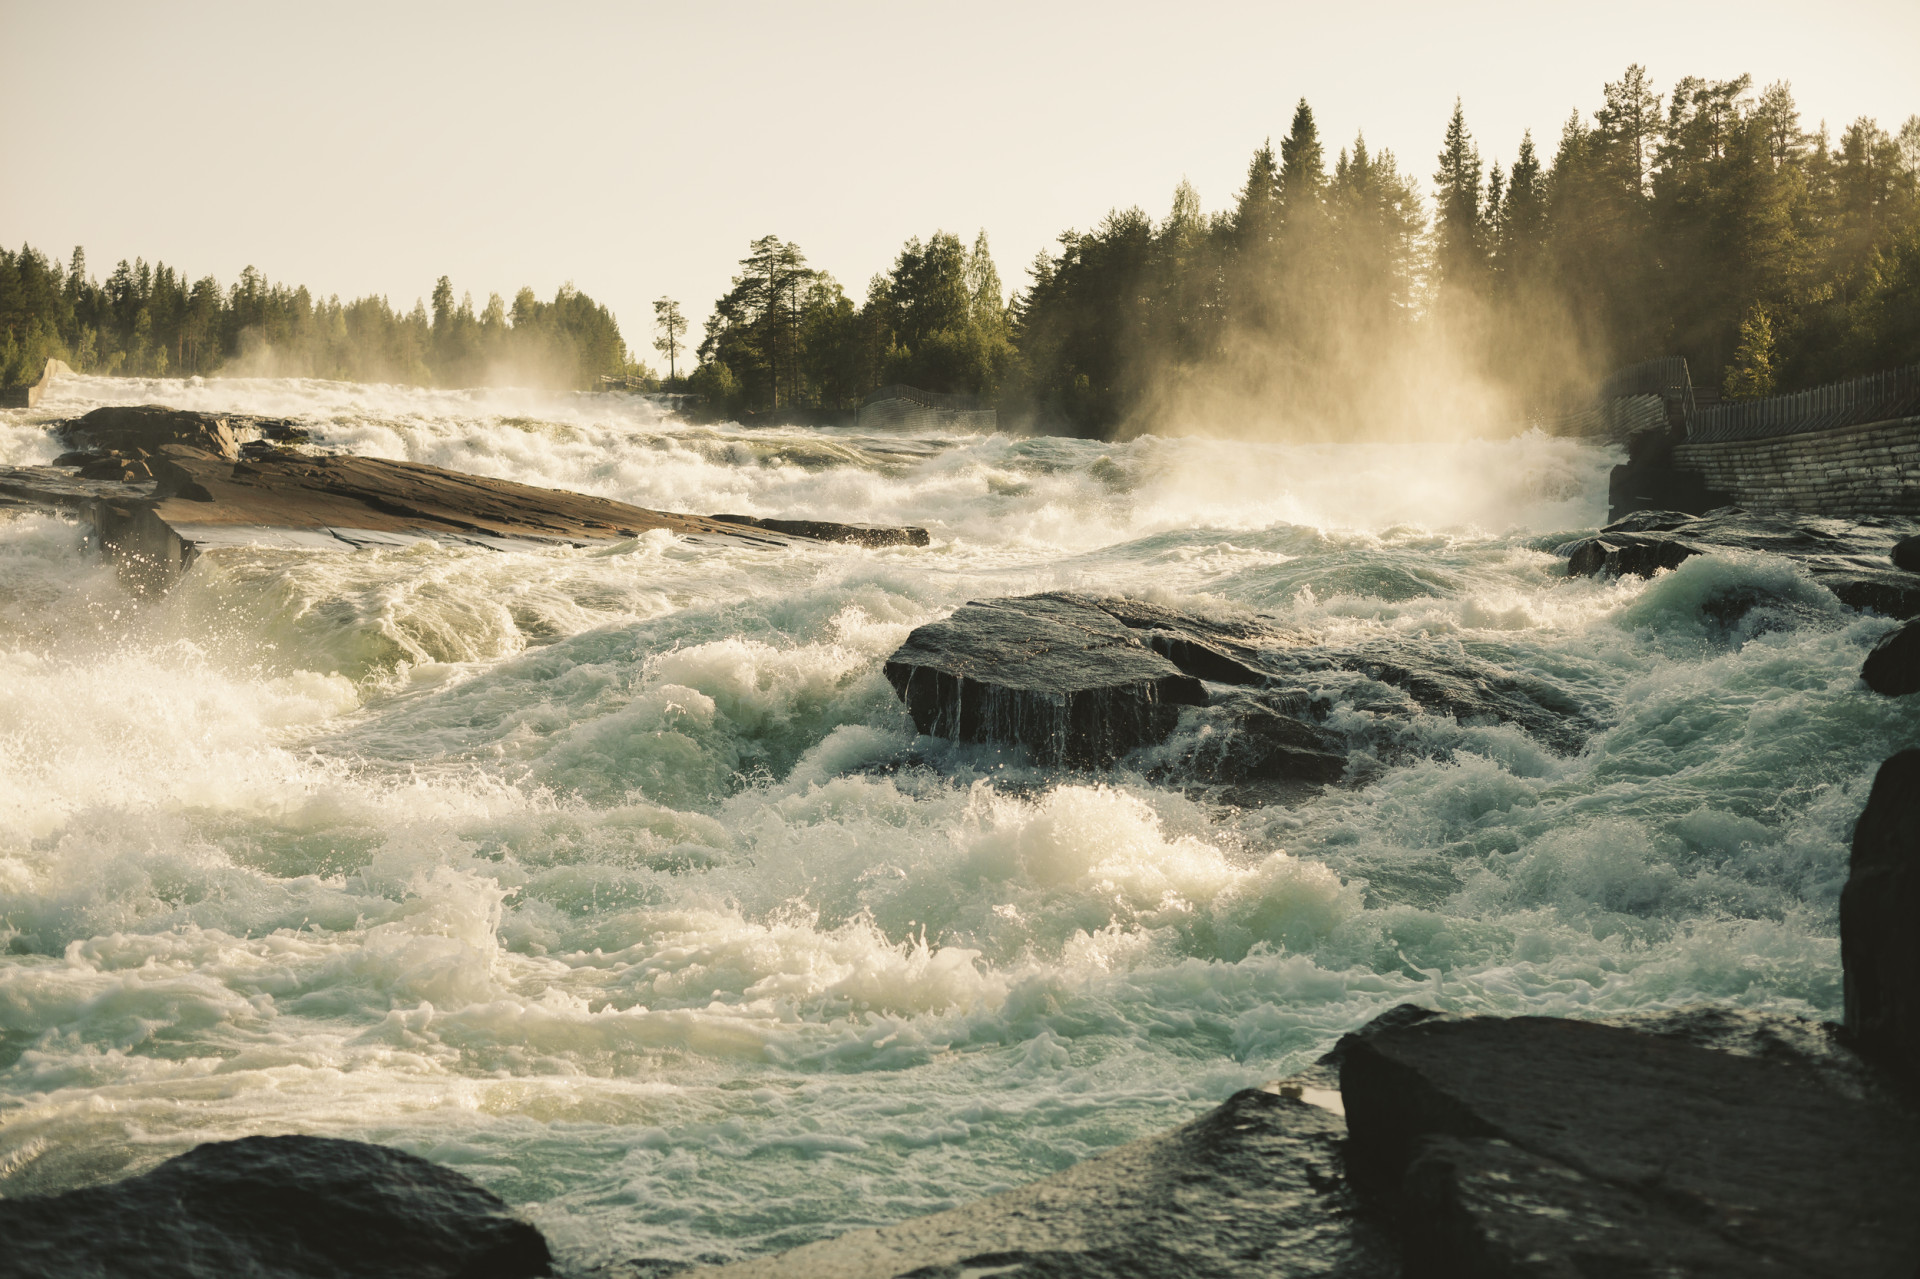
x: 1877, y: 397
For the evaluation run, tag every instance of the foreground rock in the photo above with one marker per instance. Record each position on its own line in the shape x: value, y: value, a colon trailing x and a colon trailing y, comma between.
x: 162, y: 485
x: 1544, y: 1146
x: 1849, y: 558
x: 1255, y: 1187
x: 1083, y: 680
x: 274, y: 1208
x: 1879, y: 943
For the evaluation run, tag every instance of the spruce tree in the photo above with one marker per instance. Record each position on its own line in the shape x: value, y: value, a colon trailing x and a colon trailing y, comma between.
x: 1459, y: 246
x: 1303, y: 161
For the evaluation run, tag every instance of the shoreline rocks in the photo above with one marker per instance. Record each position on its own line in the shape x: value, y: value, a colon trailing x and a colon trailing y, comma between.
x: 1849, y: 558
x: 274, y: 1208
x: 1544, y: 1145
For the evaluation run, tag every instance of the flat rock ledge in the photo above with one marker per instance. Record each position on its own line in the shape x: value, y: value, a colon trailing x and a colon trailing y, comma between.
x: 1852, y: 558
x: 1082, y: 680
x: 274, y: 1208
x: 160, y: 486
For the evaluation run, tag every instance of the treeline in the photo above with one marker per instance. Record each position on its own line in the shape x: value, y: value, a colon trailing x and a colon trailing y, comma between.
x: 1708, y: 222
x: 153, y: 322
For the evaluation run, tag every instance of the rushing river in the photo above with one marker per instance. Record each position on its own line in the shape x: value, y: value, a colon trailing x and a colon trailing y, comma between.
x: 616, y: 878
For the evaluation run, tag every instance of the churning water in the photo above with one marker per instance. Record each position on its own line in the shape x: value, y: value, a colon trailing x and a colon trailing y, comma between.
x: 616, y: 879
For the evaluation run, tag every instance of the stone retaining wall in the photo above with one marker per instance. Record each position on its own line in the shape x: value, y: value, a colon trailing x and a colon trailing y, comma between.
x: 1861, y: 470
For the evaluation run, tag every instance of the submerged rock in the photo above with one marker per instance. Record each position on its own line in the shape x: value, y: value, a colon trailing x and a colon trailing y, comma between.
x: 1082, y: 680
x: 1879, y: 943
x: 1545, y: 1146
x: 1255, y: 1187
x: 1051, y: 673
x: 274, y: 1208
x: 1847, y: 557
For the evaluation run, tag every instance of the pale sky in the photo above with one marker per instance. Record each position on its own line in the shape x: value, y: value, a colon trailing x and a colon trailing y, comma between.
x: 635, y: 149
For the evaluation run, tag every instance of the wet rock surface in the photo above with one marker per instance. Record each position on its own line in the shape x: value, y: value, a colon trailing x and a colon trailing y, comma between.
x: 872, y: 535
x: 274, y: 1208
x: 1052, y: 673
x: 1253, y: 1187
x: 1545, y: 1146
x: 1083, y: 680
x: 1879, y: 907
x: 1850, y: 558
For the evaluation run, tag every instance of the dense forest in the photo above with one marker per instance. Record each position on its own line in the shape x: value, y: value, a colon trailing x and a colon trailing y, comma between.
x: 150, y: 321
x: 1708, y: 221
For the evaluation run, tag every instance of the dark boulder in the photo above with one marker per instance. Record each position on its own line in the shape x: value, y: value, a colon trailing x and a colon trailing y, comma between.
x: 274, y: 1208
x: 873, y: 535
x: 1879, y: 907
x: 1051, y: 673
x: 1546, y: 1146
x: 123, y: 428
x: 1893, y: 667
x: 1906, y: 554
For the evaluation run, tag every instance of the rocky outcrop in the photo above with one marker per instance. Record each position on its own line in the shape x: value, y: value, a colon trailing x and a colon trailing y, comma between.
x: 1083, y: 680
x: 28, y: 396
x: 1051, y: 673
x: 146, y: 428
x: 1906, y: 554
x: 1254, y: 1187
x: 1847, y: 557
x: 1879, y: 942
x: 274, y: 1208
x: 1547, y: 1146
x: 167, y: 484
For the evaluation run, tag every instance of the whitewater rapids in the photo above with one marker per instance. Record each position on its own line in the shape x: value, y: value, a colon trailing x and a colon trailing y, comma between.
x: 616, y: 879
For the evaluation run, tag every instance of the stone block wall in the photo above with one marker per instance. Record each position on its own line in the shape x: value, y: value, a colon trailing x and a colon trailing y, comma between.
x: 1861, y: 470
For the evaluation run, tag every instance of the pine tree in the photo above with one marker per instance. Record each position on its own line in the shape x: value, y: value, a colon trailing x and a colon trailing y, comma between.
x: 669, y: 325
x: 1303, y: 162
x: 1459, y: 249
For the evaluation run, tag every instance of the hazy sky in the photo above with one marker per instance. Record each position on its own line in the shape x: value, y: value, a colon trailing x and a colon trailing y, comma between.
x: 635, y: 148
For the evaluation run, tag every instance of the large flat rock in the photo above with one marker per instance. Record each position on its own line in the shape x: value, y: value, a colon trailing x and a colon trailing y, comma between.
x: 162, y: 485
x: 1255, y: 1187
x: 274, y: 1208
x: 1543, y: 1146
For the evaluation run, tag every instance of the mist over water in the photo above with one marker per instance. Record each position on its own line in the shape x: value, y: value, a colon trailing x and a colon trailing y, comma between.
x: 617, y: 879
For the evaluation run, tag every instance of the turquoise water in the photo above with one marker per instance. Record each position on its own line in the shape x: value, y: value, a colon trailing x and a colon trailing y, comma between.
x: 616, y: 878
